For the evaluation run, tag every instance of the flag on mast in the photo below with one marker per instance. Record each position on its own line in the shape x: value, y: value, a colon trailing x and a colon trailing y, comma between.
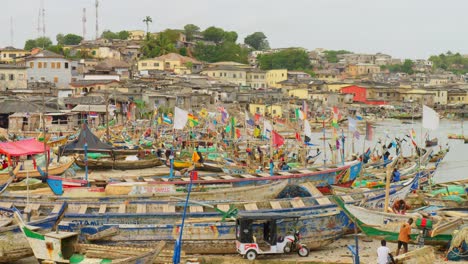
x: 180, y: 118
x: 369, y: 131
x: 430, y: 118
x: 278, y: 140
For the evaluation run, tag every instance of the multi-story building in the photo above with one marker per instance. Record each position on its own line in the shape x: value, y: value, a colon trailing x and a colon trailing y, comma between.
x: 230, y: 74
x: 171, y: 62
x: 273, y: 77
x: 256, y: 79
x: 12, y: 55
x: 49, y: 67
x: 12, y: 77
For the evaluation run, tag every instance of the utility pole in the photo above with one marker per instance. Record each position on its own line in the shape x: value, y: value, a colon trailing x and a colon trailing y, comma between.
x: 11, y: 32
x: 97, y: 19
x: 46, y: 154
x: 107, y: 116
x: 83, y: 20
x: 43, y: 19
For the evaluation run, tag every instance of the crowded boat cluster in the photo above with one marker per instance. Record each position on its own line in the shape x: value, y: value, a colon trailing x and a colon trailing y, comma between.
x: 223, y: 182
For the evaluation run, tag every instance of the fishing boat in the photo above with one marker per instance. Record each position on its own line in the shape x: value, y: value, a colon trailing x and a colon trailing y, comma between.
x: 13, y: 245
x: 387, y: 226
x: 118, y: 164
x: 455, y: 136
x: 431, y: 142
x: 63, y: 247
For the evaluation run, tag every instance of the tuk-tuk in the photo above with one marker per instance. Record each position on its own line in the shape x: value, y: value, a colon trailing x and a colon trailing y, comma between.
x: 250, y: 246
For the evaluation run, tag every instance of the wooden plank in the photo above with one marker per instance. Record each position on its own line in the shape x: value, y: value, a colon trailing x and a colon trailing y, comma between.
x: 297, y: 203
x: 347, y: 198
x: 323, y: 201
x: 196, y: 209
x: 208, y: 178
x: 167, y: 208
x: 56, y: 209
x: 148, y: 179
x: 247, y: 176
x: 275, y: 205
x: 27, y: 209
x: 223, y: 207
x: 129, y: 180
x: 304, y: 171
x: 6, y: 204
x: 251, y: 207
x: 284, y: 173
x: 122, y: 209
x: 83, y: 209
x: 228, y: 177
x: 35, y: 207
x: 102, y: 208
x: 264, y: 174
x: 314, y: 192
x: 185, y: 179
x: 165, y: 179
x: 141, y: 208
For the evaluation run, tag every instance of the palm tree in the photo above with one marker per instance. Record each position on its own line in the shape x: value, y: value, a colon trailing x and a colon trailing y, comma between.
x: 147, y: 20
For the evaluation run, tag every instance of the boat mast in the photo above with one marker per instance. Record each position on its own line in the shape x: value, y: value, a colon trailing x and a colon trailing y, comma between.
x: 46, y: 156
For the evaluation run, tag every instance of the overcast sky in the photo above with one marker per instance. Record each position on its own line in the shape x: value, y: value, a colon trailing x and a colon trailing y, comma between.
x: 401, y: 28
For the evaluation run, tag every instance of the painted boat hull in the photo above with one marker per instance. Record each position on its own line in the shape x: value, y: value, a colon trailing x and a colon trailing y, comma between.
x: 53, y: 170
x: 107, y: 164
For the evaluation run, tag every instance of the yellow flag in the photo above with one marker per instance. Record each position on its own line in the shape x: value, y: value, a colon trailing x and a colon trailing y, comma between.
x: 203, y: 113
x: 195, y: 157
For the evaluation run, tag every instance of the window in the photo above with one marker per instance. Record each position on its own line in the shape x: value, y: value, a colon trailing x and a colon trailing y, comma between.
x: 31, y: 64
x: 388, y: 94
x: 257, y: 109
x: 225, y: 74
x: 156, y: 64
x: 45, y: 64
x: 380, y: 94
x: 32, y: 78
x: 55, y: 79
x: 39, y: 65
x: 2, y: 76
x: 144, y: 64
x: 66, y: 65
x: 11, y: 77
x: 52, y: 65
x: 21, y: 76
x: 234, y: 75
x: 213, y: 74
x: 42, y: 78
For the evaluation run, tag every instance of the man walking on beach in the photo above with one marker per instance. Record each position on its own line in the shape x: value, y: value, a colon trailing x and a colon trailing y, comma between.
x: 404, y: 236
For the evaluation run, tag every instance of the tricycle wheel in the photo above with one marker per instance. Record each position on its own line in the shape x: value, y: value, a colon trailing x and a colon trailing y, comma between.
x: 287, y: 247
x: 251, y: 255
x: 303, y: 251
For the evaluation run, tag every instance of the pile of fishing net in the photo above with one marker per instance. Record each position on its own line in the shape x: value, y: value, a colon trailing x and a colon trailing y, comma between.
x: 459, y: 245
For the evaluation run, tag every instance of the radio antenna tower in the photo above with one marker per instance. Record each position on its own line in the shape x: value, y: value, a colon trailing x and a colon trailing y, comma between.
x: 11, y: 32
x: 97, y: 19
x: 84, y: 23
x: 43, y: 19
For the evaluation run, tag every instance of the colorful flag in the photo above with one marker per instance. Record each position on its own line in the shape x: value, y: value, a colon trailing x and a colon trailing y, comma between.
x: 248, y: 120
x: 180, y: 118
x: 430, y: 118
x: 193, y: 120
x: 195, y: 157
x: 278, y: 140
x: 352, y: 124
x: 298, y: 137
x: 369, y: 131
x: 257, y: 117
x: 356, y: 134
x: 233, y: 126
x: 267, y: 128
x: 166, y: 119
x: 413, y: 134
x: 203, y: 113
x: 307, y: 129
x: 238, y: 133
x: 257, y: 132
x: 305, y: 109
x: 300, y: 114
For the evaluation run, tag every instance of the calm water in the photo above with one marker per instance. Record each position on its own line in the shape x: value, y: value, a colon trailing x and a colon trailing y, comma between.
x: 454, y: 166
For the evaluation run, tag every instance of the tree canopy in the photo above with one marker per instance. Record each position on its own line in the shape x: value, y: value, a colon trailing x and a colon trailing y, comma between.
x: 291, y: 59
x: 226, y: 51
x: 406, y: 67
x: 107, y: 34
x: 68, y: 39
x: 157, y: 46
x: 453, y: 62
x: 41, y: 42
x: 190, y: 30
x: 257, y: 41
x: 332, y: 55
x: 214, y: 34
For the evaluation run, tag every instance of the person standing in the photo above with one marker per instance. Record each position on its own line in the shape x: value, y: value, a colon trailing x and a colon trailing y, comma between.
x: 383, y: 253
x: 404, y: 236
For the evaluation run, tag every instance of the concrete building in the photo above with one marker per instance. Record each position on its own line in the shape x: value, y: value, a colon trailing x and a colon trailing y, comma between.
x: 228, y: 73
x: 12, y: 55
x: 273, y: 77
x: 360, y: 69
x: 12, y: 77
x: 50, y: 67
x: 171, y: 62
x: 256, y: 79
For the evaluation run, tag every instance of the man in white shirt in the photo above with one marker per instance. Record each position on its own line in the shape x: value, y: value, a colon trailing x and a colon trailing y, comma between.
x: 383, y: 253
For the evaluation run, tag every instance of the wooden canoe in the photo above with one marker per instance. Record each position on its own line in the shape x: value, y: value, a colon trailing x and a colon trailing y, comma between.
x: 106, y: 164
x: 56, y: 169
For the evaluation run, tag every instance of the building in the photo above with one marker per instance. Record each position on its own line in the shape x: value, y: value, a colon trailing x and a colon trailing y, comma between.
x: 273, y: 110
x: 136, y: 35
x: 256, y: 79
x: 273, y: 77
x: 328, y: 75
x: 12, y: 55
x: 12, y: 77
x: 298, y: 75
x: 382, y: 59
x: 170, y: 62
x: 84, y: 87
x: 457, y: 97
x: 360, y: 95
x: 230, y: 74
x: 50, y: 67
x: 360, y: 69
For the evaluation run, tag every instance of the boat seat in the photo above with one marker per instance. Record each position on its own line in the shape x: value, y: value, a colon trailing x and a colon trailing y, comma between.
x: 223, y: 207
x: 247, y: 176
x: 83, y: 209
x: 264, y: 174
x: 168, y: 208
x: 304, y: 171
x: 347, y: 199
x: 196, y: 209
x: 297, y: 203
x: 122, y: 209
x: 251, y: 207
x: 185, y: 179
x: 129, y: 180
x: 284, y: 173
x: 165, y: 179
x: 228, y: 177
x: 56, y: 209
x: 141, y: 208
x: 323, y: 201
x: 102, y: 208
x: 208, y: 178
x: 6, y: 205
x: 275, y: 205
x: 148, y: 179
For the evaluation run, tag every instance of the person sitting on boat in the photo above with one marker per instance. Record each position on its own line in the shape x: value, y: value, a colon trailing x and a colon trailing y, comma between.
x: 285, y: 166
x: 400, y: 207
x: 4, y: 164
x: 395, y: 175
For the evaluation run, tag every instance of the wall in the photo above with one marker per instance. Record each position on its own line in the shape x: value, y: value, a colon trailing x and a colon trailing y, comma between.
x: 56, y: 70
x: 238, y: 77
x: 19, y: 77
x: 273, y: 77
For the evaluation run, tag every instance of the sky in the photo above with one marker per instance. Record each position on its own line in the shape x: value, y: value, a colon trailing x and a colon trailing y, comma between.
x: 412, y: 29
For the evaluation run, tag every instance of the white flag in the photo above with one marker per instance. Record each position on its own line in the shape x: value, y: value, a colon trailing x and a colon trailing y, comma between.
x: 352, y: 124
x: 307, y: 130
x: 430, y: 118
x: 180, y: 118
x: 267, y: 127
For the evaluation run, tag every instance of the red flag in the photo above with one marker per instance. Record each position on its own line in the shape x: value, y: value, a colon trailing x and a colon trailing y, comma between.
x: 278, y: 140
x: 298, y: 137
x: 369, y: 131
x: 257, y: 117
x: 238, y: 133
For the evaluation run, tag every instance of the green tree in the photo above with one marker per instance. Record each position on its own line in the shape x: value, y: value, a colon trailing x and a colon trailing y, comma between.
x: 190, y: 30
x: 214, y: 34
x: 107, y: 34
x: 71, y: 39
x: 157, y: 46
x: 407, y: 66
x: 230, y: 36
x: 60, y: 38
x: 147, y: 21
x: 291, y: 59
x: 41, y: 42
x: 56, y: 49
x: 123, y: 34
x: 257, y: 41
x: 227, y: 51
x: 332, y: 55
x: 30, y: 44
